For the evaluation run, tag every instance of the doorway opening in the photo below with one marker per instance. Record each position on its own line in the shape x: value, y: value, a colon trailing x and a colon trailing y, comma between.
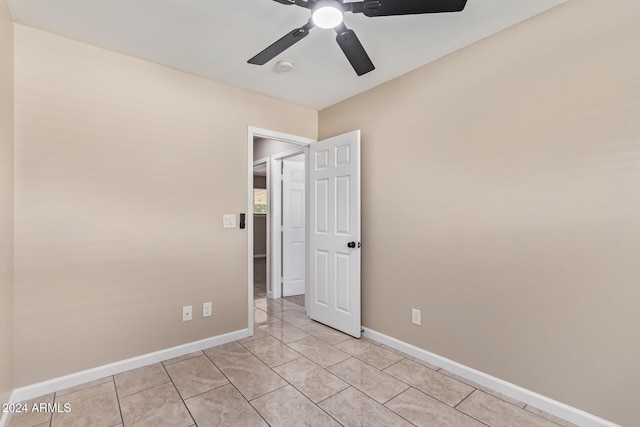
x: 328, y: 248
x: 276, y: 236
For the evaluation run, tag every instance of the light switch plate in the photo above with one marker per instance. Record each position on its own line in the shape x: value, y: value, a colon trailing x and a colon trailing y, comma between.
x: 229, y: 220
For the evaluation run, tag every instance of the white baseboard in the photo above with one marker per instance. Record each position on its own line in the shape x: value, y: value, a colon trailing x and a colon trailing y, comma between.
x: 529, y: 397
x: 57, y: 384
x: 260, y: 256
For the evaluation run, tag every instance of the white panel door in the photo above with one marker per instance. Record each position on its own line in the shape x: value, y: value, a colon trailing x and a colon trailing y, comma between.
x: 334, y: 233
x: 293, y: 229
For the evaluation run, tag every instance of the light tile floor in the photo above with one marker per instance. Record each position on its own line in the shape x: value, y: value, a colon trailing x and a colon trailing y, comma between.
x: 291, y: 372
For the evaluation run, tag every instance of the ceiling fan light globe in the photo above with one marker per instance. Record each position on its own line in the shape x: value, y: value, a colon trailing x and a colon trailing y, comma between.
x: 327, y: 17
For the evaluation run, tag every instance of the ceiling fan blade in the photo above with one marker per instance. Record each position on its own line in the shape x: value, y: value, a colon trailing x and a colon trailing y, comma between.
x: 353, y: 50
x: 281, y: 45
x: 406, y: 7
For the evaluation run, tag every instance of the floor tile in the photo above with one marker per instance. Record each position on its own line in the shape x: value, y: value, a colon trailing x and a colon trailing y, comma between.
x: 271, y: 351
x: 319, y: 351
x: 352, y: 408
x: 183, y: 357
x: 257, y: 334
x: 252, y: 377
x: 30, y: 418
x: 540, y: 413
x: 83, y: 386
x: 283, y: 331
x: 226, y: 353
x: 424, y: 410
x: 325, y: 333
x: 159, y: 406
x: 483, y: 388
x: 313, y: 381
x: 223, y: 406
x: 270, y: 305
x: 433, y: 383
x: 415, y: 359
x: 294, y: 317
x: 289, y: 305
x: 296, y: 299
x: 287, y: 407
x: 369, y: 380
x: 374, y: 355
x: 498, y: 413
x: 95, y: 406
x: 260, y: 317
x: 140, y: 379
x: 195, y: 376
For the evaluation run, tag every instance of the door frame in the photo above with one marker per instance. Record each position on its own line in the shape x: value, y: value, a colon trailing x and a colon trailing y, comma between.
x: 252, y: 133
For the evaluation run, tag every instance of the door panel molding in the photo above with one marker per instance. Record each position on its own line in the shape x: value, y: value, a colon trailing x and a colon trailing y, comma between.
x: 334, y: 269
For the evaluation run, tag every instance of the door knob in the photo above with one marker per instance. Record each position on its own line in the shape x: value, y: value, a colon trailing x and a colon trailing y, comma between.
x: 351, y: 244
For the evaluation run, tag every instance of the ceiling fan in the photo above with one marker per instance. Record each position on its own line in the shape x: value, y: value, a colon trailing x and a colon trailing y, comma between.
x: 329, y: 13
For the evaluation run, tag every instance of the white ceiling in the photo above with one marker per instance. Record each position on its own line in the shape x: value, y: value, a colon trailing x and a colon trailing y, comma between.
x: 215, y: 38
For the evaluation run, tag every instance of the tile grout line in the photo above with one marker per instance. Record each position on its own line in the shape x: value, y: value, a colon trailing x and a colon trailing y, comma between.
x: 113, y: 380
x: 236, y: 388
x: 539, y: 416
x: 295, y: 388
x: 179, y: 394
x: 305, y: 396
x: 465, y: 398
x: 164, y: 362
x: 204, y: 392
x: 424, y: 392
x: 469, y: 415
x: 384, y: 405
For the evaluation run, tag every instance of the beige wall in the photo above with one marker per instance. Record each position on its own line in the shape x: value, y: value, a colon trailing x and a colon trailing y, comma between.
x: 501, y: 196
x: 6, y: 201
x: 123, y: 171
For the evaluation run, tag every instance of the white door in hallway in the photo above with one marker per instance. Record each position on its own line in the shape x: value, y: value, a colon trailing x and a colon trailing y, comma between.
x: 293, y: 229
x: 334, y: 233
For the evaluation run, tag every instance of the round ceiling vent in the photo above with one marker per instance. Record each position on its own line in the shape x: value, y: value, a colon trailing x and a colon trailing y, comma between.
x: 284, y: 66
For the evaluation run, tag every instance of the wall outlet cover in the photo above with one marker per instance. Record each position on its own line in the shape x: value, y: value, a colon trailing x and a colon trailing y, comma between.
x: 416, y: 316
x: 206, y: 309
x: 187, y: 313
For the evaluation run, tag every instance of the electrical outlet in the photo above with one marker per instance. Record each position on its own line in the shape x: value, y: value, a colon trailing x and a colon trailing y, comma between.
x: 206, y: 309
x: 416, y: 316
x: 187, y: 313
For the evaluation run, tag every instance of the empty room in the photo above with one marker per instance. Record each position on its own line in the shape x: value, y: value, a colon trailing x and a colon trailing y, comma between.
x: 319, y: 212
